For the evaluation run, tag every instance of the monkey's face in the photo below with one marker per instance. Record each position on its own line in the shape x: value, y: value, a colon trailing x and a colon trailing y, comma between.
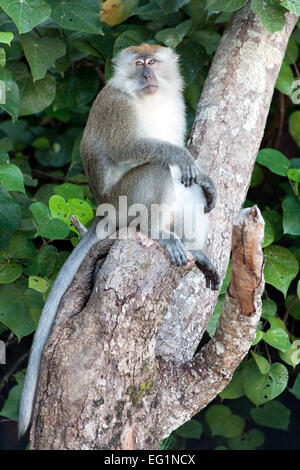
x: 146, y: 73
x: 146, y: 69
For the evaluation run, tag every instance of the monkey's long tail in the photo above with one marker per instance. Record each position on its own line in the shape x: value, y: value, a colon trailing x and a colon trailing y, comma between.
x: 62, y: 282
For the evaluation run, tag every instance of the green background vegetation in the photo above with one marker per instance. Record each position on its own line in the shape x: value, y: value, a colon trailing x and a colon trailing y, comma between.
x: 54, y: 58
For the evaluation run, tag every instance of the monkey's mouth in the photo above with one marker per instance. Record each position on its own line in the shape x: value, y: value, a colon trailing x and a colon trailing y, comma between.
x: 149, y: 89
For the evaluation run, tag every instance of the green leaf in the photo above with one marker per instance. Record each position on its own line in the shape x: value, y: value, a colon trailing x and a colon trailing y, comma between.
x: 292, y: 5
x: 36, y: 96
x: 235, y: 388
x: 2, y: 57
x: 169, y: 442
x: 257, y: 176
x: 171, y: 37
x: 11, y: 178
x: 26, y: 14
x: 34, y: 302
x: 76, y: 89
x: 294, y: 174
x: 273, y: 414
x: 59, y: 153
x: 41, y: 53
x: 295, y: 390
x: 13, y: 310
x: 6, y: 38
x: 47, y: 258
x: 192, y: 94
x: 10, y: 408
x: 281, y: 267
x: 170, y: 6
x: 277, y: 338
x: 223, y: 423
x: 128, y: 38
x: 18, y: 132
x: 275, y: 220
x: 258, y: 337
x: 291, y: 214
x: 9, y: 271
x: 38, y: 283
x: 269, y: 234
x: 208, y: 39
x: 247, y: 441
x: 295, y: 310
x: 226, y: 280
x: 274, y: 160
x: 10, y: 216
x: 292, y: 356
x: 285, y: 79
x: 82, y: 46
x: 270, y: 14
x: 192, y: 60
x: 191, y: 429
x: 294, y: 126
x: 292, y: 51
x: 261, y: 362
x: 69, y: 191
x: 76, y: 167
x: 225, y: 5
x: 48, y: 226
x: 214, y: 319
x: 4, y: 157
x: 78, y: 15
x: 261, y: 388
x: 41, y: 143
x: 11, y: 103
x: 19, y: 248
x: 276, y: 322
x: 62, y: 210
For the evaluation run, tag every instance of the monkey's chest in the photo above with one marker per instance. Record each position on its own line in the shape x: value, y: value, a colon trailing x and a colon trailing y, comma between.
x: 162, y: 122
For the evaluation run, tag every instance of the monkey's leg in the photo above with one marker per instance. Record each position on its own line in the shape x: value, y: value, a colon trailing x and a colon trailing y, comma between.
x: 192, y: 223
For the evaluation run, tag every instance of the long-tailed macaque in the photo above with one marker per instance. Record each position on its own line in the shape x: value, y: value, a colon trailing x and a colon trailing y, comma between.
x: 133, y: 146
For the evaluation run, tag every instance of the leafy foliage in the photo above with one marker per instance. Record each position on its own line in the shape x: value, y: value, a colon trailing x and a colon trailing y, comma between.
x: 54, y: 57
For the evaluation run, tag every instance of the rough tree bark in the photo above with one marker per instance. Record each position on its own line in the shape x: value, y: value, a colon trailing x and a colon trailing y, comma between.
x: 119, y: 370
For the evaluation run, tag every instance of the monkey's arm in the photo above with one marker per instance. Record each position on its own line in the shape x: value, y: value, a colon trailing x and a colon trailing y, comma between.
x: 112, y: 136
x: 146, y: 150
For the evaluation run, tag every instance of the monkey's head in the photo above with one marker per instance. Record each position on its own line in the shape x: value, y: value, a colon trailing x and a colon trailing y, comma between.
x: 146, y: 69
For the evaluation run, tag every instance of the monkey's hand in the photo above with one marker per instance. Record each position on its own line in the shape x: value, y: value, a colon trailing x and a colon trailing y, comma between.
x: 189, y: 174
x: 209, y: 191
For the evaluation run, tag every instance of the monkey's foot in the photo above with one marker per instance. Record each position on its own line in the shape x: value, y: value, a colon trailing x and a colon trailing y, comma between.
x: 176, y: 251
x: 212, y: 276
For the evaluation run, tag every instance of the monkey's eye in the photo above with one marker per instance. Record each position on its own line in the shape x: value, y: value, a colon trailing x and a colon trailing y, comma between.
x: 151, y: 61
x: 139, y: 62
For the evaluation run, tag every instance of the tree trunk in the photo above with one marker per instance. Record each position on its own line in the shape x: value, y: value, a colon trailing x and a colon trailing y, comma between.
x: 119, y: 370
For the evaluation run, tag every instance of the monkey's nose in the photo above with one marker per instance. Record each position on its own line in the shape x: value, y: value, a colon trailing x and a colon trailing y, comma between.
x: 147, y: 74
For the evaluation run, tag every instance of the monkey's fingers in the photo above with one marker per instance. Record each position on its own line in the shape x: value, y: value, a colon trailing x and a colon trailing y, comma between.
x: 194, y: 172
x: 188, y: 175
